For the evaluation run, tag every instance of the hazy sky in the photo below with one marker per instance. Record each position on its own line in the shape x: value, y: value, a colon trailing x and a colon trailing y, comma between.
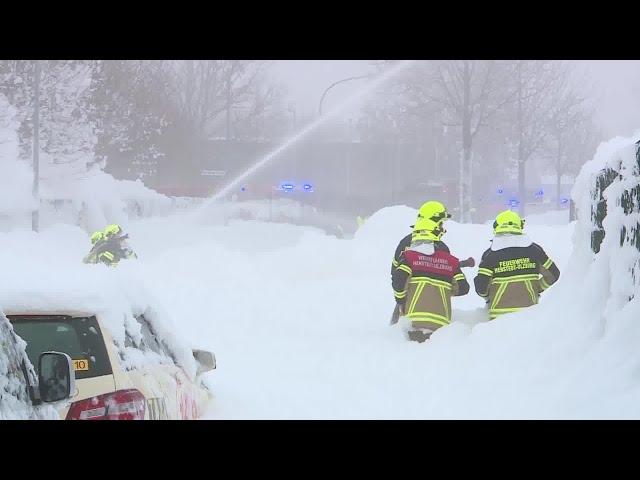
x: 307, y: 80
x: 615, y: 84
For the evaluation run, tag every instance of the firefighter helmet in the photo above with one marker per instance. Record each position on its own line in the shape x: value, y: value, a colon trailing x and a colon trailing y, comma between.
x: 112, y: 230
x: 426, y: 229
x: 96, y: 237
x: 433, y: 210
x: 508, y: 222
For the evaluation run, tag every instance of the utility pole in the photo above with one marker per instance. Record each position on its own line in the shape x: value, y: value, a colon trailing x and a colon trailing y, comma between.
x: 232, y: 65
x: 35, y: 220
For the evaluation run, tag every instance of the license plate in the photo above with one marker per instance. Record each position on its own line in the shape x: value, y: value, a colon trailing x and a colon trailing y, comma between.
x: 82, y: 365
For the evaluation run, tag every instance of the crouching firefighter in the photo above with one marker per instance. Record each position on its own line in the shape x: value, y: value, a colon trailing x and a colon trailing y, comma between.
x: 111, y: 247
x: 514, y: 271
x: 426, y: 278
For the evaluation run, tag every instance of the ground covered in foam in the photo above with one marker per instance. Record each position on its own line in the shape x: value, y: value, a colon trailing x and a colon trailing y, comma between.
x: 299, y: 320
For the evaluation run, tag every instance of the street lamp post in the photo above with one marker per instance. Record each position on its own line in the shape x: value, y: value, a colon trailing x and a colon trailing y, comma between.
x: 292, y: 110
x: 358, y: 77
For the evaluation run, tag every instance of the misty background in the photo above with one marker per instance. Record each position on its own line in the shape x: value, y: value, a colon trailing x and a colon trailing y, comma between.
x: 477, y: 135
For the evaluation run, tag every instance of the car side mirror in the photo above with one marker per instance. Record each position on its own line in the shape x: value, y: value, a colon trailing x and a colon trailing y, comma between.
x: 56, y: 376
x: 206, y: 361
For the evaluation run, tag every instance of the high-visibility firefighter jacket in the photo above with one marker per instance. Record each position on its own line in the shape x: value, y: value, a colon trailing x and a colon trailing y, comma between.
x: 92, y: 256
x: 404, y: 244
x: 512, y: 277
x: 111, y: 252
x: 426, y: 278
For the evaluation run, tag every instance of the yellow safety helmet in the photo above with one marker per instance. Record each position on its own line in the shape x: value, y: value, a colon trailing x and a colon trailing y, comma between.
x: 112, y: 230
x: 96, y: 237
x: 426, y: 229
x: 508, y: 222
x: 433, y: 210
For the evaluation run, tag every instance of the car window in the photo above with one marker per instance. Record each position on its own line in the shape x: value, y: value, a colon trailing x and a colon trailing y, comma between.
x: 129, y: 342
x: 17, y: 378
x: 78, y: 337
x: 150, y: 339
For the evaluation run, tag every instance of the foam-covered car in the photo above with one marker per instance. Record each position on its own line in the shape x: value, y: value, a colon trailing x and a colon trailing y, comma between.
x: 129, y: 359
x: 144, y: 378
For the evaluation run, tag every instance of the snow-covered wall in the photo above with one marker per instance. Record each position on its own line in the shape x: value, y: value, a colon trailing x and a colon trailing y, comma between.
x: 607, y: 194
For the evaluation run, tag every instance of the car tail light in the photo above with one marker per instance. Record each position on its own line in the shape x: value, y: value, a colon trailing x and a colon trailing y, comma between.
x: 120, y: 405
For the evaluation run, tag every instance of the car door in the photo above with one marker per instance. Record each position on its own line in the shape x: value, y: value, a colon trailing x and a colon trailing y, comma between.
x: 169, y: 391
x: 187, y: 397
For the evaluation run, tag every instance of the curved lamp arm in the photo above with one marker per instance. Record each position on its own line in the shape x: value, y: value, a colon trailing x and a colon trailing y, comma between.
x: 337, y: 83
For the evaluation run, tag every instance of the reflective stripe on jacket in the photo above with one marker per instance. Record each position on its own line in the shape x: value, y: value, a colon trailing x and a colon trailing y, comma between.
x: 424, y: 285
x: 512, y: 278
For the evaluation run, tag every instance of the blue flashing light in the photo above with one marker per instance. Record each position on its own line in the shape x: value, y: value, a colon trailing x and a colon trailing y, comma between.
x: 564, y: 200
x: 243, y: 189
x: 514, y: 202
x: 500, y: 190
x: 540, y: 193
x: 307, y: 187
x: 287, y: 187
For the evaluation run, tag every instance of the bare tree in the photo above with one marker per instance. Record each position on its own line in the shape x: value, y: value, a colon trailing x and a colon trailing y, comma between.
x: 573, y: 136
x: 204, y: 90
x: 66, y: 132
x: 538, y: 86
x: 437, y: 101
x: 263, y: 116
x: 131, y: 105
x: 470, y: 93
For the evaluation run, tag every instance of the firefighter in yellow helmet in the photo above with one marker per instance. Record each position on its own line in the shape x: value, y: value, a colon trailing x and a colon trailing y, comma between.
x: 431, y: 210
x: 111, y: 247
x: 514, y: 271
x: 426, y: 278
